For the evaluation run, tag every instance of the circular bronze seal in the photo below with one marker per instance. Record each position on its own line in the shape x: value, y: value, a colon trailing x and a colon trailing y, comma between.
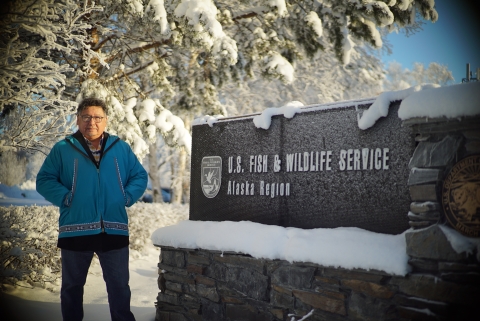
x: 461, y: 196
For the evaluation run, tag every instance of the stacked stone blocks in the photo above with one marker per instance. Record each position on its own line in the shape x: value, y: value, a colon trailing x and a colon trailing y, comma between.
x: 210, y: 285
x: 440, y: 144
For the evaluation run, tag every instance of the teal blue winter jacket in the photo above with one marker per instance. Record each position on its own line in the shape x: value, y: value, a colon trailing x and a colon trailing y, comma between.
x: 91, y: 198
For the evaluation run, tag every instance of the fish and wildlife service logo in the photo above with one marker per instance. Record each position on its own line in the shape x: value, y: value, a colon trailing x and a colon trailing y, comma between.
x: 461, y: 196
x: 211, y: 175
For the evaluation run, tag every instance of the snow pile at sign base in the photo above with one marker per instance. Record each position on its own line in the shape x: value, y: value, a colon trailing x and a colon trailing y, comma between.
x: 342, y: 247
x: 345, y: 247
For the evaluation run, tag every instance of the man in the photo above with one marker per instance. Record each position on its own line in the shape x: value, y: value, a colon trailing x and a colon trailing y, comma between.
x: 92, y: 176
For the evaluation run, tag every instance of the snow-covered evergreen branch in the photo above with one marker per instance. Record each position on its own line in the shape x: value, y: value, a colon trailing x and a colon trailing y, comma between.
x: 176, y: 53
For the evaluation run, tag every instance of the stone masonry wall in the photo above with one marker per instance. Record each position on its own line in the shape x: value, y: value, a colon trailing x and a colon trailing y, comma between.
x: 210, y: 285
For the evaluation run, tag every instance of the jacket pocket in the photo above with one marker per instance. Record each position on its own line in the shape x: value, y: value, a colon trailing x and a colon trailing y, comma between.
x: 69, y: 197
x: 119, y: 176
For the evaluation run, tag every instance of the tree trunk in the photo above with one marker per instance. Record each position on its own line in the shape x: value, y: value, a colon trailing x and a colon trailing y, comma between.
x: 179, y: 174
x: 186, y: 175
x: 179, y: 187
x: 174, y: 177
x: 154, y: 175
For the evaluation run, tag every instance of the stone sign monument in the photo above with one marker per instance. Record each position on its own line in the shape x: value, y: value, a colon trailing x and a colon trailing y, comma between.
x: 417, y: 169
x: 314, y: 170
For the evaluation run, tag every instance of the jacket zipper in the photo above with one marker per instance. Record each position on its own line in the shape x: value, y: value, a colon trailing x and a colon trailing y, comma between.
x: 98, y: 182
x: 68, y: 200
x: 120, y: 181
x: 98, y: 173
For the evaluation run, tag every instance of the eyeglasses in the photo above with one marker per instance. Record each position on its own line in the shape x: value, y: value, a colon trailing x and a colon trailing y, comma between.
x: 87, y: 118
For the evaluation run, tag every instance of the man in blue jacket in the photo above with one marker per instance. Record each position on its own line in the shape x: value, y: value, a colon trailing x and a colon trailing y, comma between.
x: 92, y: 176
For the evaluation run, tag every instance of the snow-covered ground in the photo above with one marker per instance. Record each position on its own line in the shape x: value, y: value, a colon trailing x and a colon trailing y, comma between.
x: 38, y: 304
x: 168, y: 225
x: 26, y: 303
x: 24, y: 194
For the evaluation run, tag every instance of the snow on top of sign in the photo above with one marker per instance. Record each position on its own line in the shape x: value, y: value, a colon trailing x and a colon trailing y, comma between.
x: 207, y: 119
x: 265, y: 118
x: 380, y: 107
x: 427, y: 100
x: 451, y: 101
x: 346, y: 247
x: 339, y: 104
x: 431, y: 101
x: 272, y: 111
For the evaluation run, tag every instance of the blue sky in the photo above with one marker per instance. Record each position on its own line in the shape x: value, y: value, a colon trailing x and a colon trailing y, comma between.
x: 454, y: 40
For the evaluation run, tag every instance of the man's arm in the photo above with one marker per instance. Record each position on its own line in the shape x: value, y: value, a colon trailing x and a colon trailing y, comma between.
x: 48, y: 179
x: 137, y: 179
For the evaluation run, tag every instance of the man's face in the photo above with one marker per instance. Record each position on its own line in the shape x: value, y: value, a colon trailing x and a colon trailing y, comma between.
x: 90, y: 128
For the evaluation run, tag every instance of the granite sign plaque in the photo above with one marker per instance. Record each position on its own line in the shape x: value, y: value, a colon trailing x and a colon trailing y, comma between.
x: 317, y: 169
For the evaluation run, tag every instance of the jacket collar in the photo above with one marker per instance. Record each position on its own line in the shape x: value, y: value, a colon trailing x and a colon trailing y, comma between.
x: 77, y: 138
x: 78, y: 141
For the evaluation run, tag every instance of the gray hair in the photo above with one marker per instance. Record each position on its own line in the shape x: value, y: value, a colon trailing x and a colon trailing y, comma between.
x: 89, y: 102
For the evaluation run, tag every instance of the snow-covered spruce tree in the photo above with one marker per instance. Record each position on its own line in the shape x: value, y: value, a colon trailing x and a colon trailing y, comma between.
x: 35, y: 40
x: 152, y: 58
x: 317, y: 81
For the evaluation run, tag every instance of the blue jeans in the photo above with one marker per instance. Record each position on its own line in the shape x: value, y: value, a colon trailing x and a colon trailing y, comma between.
x: 114, y: 265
